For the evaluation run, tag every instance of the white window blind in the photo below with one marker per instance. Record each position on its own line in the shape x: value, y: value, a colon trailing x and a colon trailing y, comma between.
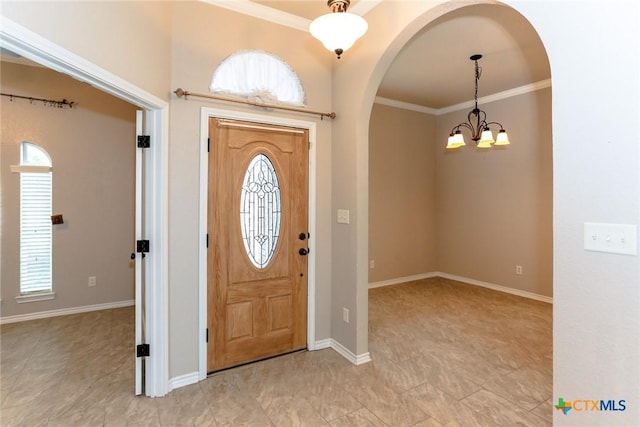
x: 35, y: 220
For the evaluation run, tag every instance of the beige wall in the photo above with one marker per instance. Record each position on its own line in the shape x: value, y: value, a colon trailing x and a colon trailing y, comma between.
x: 159, y: 46
x: 201, y: 40
x: 495, y: 206
x: 402, y: 193
x: 130, y: 39
x: 469, y: 213
x: 595, y: 179
x: 92, y: 150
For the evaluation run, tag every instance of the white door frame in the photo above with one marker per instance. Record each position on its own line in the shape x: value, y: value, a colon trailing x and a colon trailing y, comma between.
x: 205, y: 114
x: 38, y: 49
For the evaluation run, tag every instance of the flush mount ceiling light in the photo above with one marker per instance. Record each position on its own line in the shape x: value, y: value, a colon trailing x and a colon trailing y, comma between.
x: 477, y: 123
x: 338, y: 30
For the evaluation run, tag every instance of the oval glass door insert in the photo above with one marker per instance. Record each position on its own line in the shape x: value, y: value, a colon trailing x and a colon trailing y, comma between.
x: 260, y: 211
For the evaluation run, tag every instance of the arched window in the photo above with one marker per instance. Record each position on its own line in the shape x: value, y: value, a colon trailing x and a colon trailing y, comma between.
x: 259, y: 76
x: 35, y: 219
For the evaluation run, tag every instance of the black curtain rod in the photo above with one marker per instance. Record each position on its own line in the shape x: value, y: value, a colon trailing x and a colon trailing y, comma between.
x: 47, y: 102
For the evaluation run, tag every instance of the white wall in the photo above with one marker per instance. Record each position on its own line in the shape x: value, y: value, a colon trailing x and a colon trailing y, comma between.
x: 594, y: 68
x: 593, y: 51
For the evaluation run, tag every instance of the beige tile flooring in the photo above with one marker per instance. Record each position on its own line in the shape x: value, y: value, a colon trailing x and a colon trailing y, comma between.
x: 444, y: 354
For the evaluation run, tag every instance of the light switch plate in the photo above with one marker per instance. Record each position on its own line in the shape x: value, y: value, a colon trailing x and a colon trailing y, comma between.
x: 343, y: 216
x: 612, y: 238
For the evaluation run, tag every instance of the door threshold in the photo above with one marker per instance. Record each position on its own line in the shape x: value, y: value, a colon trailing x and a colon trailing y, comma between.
x: 212, y: 373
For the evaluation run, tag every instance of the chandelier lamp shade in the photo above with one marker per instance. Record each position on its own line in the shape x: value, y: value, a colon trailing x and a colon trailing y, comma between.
x: 338, y: 30
x: 477, y: 123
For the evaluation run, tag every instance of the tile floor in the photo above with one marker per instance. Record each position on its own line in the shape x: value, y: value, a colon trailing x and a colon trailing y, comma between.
x: 444, y: 354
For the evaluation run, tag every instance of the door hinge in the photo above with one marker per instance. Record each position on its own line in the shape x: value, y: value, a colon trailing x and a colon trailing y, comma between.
x: 208, y: 144
x: 144, y: 141
x: 207, y: 240
x: 142, y: 246
x: 207, y: 334
x: 143, y: 350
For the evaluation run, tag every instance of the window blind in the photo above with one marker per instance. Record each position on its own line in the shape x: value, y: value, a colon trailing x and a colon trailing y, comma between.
x: 35, y: 232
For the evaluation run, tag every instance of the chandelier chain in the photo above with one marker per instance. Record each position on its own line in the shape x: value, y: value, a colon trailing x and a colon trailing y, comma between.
x: 478, y: 74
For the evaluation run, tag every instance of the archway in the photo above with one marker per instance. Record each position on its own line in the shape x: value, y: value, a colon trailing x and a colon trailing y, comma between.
x: 589, y: 182
x: 371, y: 61
x: 469, y: 228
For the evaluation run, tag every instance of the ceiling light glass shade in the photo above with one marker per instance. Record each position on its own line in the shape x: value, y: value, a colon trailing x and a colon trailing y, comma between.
x: 338, y: 31
x: 456, y: 140
x: 502, y: 138
x: 486, y: 139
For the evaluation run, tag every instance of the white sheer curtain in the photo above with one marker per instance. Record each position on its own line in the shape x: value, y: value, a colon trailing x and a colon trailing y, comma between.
x: 259, y: 76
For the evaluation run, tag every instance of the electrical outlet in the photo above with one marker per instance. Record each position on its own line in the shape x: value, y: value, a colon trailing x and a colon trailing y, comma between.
x: 372, y: 264
x: 519, y: 270
x: 345, y: 314
x: 92, y: 280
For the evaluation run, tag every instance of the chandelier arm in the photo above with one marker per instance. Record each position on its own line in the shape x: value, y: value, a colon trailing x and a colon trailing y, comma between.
x: 495, y: 123
x: 479, y: 125
x: 465, y: 125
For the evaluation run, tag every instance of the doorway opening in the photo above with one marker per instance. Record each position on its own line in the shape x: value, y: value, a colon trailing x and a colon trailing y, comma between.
x: 35, y: 48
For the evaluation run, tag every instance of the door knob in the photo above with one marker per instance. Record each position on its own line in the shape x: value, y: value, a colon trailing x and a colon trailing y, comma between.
x: 302, y: 236
x: 303, y: 251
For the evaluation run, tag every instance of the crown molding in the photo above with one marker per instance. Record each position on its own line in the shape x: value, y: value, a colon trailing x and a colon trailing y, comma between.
x: 542, y: 84
x: 279, y: 17
x: 406, y: 105
x: 363, y: 7
x: 263, y: 12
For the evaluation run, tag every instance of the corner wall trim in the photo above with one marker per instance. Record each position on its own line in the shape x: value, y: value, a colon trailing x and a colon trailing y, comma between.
x: 356, y: 359
x: 64, y: 311
x: 320, y: 345
x: 399, y: 280
x: 183, y: 380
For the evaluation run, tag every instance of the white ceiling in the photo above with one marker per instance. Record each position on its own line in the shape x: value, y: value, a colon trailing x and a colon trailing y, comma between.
x: 433, y: 70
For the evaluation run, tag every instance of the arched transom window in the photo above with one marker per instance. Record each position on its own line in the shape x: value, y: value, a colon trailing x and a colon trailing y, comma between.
x: 259, y: 76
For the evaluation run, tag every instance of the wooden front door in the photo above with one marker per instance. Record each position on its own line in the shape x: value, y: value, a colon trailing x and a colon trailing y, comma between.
x: 258, y: 231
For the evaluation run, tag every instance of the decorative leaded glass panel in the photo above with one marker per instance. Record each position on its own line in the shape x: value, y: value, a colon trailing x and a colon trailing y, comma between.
x: 260, y: 211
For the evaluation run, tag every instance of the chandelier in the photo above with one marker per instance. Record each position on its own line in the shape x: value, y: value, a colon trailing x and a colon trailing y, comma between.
x: 477, y: 123
x: 338, y: 30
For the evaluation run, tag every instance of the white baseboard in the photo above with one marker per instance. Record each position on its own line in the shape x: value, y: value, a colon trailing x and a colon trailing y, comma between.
x: 498, y: 288
x: 466, y: 280
x: 357, y: 360
x: 402, y: 280
x: 64, y: 311
x: 183, y: 380
x: 322, y: 344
